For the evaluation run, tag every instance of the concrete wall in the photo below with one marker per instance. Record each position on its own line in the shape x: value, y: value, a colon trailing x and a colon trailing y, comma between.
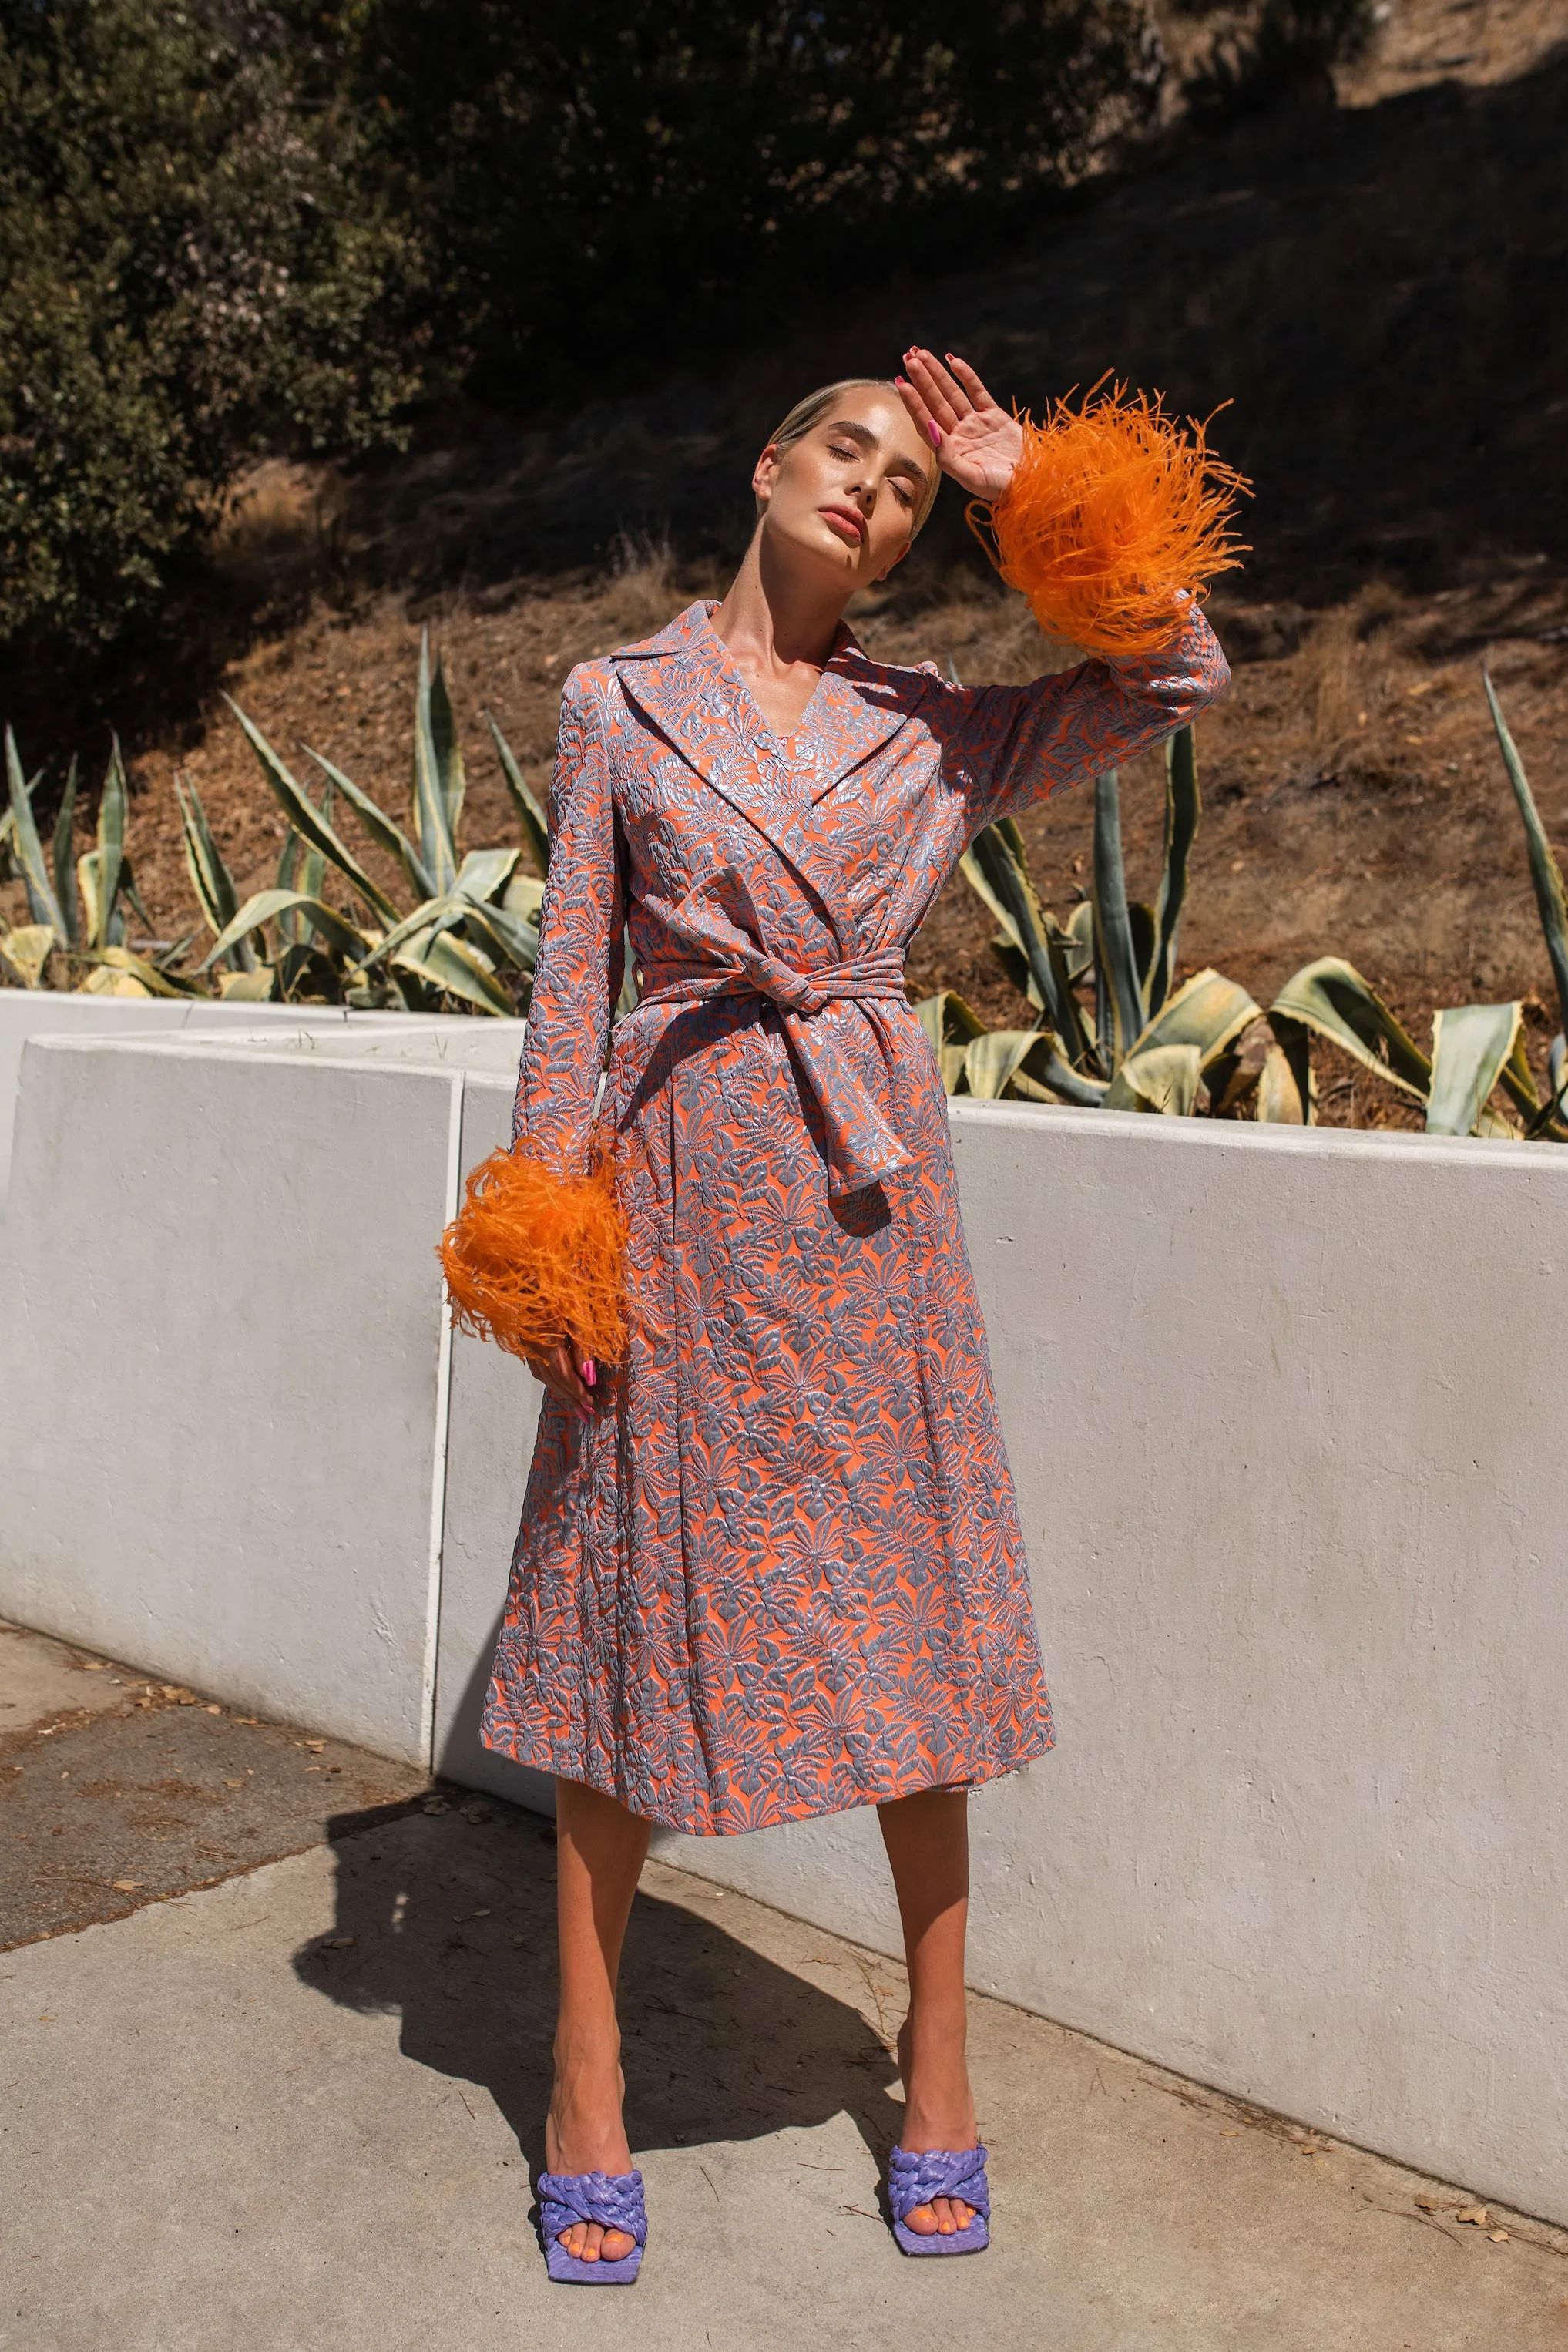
x: 25, y: 1013
x: 1283, y: 1410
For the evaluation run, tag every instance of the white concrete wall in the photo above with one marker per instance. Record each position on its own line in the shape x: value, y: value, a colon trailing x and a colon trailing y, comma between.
x: 222, y: 1330
x: 1283, y: 1410
x: 43, y: 1013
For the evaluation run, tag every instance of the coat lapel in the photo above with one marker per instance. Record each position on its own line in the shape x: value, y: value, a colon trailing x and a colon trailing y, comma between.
x: 682, y: 680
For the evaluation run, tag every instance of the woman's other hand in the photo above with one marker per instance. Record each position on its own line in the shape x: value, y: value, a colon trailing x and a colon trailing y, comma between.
x: 569, y: 1374
x: 975, y: 442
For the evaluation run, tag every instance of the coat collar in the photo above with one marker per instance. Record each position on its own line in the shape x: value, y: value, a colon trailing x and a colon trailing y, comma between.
x: 683, y: 680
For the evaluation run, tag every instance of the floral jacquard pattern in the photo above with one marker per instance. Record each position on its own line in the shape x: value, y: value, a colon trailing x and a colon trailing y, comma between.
x: 780, y: 1573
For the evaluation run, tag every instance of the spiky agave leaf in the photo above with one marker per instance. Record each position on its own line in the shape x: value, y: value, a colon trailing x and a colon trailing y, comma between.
x: 307, y: 820
x: 1028, y: 1063
x: 950, y: 1023
x: 458, y: 968
x: 343, y: 936
x: 484, y: 874
x: 379, y: 825
x: 42, y: 903
x: 64, y: 872
x: 156, y: 981
x: 1551, y: 901
x: 210, y: 877
x: 27, y: 951
x: 1280, y: 1102
x: 1470, y: 1044
x: 1162, y: 1078
x: 530, y: 816
x: 1184, y: 808
x: 434, y: 744
x: 1330, y: 997
x: 996, y: 867
x: 1119, y: 993
x: 1207, y: 1010
x: 113, y: 866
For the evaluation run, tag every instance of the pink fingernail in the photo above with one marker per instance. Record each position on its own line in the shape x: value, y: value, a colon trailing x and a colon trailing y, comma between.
x: 936, y: 432
x: 590, y: 1373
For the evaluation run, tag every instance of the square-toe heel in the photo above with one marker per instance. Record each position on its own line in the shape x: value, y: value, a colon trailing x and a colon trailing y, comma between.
x: 614, y: 2199
x: 914, y: 2180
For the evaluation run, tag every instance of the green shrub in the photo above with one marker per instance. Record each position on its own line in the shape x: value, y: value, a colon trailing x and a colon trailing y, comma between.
x: 188, y: 274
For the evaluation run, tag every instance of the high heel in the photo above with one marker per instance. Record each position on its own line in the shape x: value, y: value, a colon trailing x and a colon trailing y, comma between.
x: 914, y: 2180
x: 614, y: 2199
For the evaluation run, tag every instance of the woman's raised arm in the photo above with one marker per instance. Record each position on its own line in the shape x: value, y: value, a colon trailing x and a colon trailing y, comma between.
x: 1007, y: 748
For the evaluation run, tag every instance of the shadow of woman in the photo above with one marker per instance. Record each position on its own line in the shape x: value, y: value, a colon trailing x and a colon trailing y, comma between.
x: 447, y: 1918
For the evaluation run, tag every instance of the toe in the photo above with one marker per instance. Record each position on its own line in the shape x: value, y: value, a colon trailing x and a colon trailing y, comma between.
x: 922, y: 2220
x: 618, y: 2244
x: 591, y: 2252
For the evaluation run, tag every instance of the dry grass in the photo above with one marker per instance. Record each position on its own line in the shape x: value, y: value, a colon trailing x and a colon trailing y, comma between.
x: 1377, y: 289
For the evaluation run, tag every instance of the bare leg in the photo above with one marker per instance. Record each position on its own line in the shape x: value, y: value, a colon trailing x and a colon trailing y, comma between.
x: 600, y: 1851
x: 927, y: 1842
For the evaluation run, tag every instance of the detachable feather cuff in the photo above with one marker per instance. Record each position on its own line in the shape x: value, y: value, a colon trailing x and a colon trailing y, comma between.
x: 1114, y: 514
x: 533, y: 1258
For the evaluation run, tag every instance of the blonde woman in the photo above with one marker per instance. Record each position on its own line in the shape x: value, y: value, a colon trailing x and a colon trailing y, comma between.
x: 770, y: 1563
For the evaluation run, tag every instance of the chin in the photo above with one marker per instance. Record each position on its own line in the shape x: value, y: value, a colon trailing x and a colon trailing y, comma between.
x: 814, y: 545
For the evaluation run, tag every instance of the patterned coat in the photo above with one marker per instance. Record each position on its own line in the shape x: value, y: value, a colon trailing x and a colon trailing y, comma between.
x: 781, y: 1572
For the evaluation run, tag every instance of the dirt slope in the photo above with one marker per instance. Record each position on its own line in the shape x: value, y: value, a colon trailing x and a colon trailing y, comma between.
x: 1378, y: 289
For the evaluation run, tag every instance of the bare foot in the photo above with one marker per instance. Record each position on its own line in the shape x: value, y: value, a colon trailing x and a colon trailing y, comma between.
x: 938, y: 2112
x: 584, y: 2133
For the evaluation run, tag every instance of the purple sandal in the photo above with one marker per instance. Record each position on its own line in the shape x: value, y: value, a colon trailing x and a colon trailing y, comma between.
x: 941, y: 2172
x: 612, y: 2199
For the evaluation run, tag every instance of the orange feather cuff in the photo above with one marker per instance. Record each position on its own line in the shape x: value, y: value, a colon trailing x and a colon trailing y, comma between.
x: 1113, y: 512
x: 533, y: 1258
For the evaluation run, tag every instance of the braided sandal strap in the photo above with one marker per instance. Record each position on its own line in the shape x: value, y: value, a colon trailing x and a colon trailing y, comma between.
x: 939, y: 2172
x: 614, y: 2199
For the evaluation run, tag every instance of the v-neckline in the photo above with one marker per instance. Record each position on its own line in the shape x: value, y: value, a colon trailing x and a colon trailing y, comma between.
x: 780, y: 744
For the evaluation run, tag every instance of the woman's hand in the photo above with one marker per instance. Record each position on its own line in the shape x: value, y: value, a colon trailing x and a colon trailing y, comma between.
x: 975, y: 442
x: 569, y: 1374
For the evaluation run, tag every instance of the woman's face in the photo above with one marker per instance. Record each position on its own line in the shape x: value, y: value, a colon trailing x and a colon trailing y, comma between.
x: 844, y: 498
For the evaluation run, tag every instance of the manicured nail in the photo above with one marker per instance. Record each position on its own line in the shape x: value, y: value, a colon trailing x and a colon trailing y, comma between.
x: 590, y: 1373
x: 936, y: 432
x: 902, y: 380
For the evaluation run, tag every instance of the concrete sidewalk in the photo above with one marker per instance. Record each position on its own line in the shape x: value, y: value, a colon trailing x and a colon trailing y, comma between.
x: 297, y: 2111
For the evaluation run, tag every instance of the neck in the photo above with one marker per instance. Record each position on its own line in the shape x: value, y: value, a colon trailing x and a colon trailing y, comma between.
x: 774, y: 621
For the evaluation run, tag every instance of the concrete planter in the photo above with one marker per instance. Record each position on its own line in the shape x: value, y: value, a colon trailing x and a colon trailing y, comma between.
x: 1283, y: 1410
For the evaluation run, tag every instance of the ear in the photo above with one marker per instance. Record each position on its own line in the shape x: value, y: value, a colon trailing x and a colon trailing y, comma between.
x: 765, y: 473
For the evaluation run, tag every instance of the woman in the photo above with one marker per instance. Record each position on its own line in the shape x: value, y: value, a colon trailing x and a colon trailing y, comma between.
x: 770, y: 1566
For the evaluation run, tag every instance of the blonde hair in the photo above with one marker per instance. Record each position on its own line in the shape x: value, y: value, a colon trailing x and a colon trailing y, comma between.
x: 808, y: 414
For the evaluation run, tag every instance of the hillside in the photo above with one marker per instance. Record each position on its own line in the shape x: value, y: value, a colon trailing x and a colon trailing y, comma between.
x: 1377, y: 292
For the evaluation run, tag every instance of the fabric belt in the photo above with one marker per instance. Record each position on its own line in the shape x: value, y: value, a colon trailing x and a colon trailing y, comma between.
x: 861, y: 1143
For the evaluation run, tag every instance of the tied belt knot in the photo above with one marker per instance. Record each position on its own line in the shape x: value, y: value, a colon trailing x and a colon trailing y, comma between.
x: 859, y: 1142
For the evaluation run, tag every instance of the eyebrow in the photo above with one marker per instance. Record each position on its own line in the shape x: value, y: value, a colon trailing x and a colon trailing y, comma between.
x: 869, y: 440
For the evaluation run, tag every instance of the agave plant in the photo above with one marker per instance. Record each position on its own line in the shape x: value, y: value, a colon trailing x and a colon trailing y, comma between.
x: 75, y: 906
x: 472, y: 934
x: 1206, y: 1047
x: 1144, y: 1044
x: 1476, y: 1049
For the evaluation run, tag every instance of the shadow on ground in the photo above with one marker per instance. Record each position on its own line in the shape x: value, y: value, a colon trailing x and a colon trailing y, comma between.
x: 447, y: 1919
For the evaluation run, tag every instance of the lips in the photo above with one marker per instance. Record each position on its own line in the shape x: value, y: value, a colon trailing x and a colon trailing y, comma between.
x: 848, y: 521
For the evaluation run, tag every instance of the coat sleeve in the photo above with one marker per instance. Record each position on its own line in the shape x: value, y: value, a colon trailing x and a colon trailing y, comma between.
x: 578, y: 977
x: 1009, y: 747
